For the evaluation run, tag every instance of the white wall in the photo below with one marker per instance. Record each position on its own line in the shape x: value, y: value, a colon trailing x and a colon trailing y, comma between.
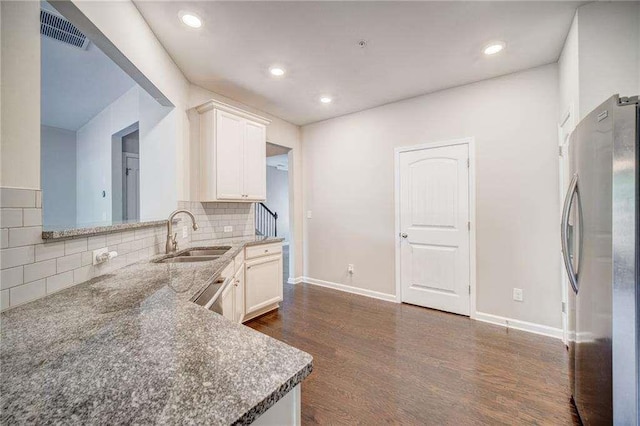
x: 608, y: 52
x: 94, y: 155
x: 278, y: 198
x: 157, y: 126
x: 58, y: 169
x: 569, y: 75
x: 20, y: 122
x: 158, y: 177
x: 349, y: 187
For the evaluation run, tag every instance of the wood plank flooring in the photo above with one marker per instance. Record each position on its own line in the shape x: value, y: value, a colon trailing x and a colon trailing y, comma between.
x: 378, y: 362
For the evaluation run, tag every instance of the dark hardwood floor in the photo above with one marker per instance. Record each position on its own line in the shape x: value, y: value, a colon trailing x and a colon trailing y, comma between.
x: 378, y: 362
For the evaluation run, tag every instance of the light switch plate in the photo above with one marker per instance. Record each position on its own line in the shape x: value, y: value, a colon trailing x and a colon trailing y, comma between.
x: 309, y: 214
x: 185, y: 231
x: 228, y: 229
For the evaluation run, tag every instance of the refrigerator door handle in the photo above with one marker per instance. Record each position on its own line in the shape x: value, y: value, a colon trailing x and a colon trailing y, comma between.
x: 564, y: 232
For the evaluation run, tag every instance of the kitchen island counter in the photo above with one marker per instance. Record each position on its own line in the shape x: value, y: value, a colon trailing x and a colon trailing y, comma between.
x: 132, y: 347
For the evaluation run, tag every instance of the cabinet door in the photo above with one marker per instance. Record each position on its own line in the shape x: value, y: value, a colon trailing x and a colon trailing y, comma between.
x: 226, y: 301
x: 229, y: 154
x: 255, y: 161
x: 263, y: 283
x: 239, y: 296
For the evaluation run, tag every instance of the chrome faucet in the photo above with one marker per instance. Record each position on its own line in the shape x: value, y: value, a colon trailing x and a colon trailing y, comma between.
x: 172, y: 240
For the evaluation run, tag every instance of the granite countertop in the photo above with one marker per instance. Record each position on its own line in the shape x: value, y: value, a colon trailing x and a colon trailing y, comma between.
x: 131, y: 347
x: 73, y: 231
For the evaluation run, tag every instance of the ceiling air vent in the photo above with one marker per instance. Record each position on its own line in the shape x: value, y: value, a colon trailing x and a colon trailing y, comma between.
x: 56, y: 27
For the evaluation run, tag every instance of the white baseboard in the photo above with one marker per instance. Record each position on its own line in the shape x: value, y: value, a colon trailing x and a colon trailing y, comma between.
x: 350, y: 289
x: 531, y: 327
x: 296, y: 280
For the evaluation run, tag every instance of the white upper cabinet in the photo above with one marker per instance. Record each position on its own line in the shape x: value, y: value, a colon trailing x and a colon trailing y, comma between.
x: 232, y: 160
x: 255, y: 162
x: 229, y: 135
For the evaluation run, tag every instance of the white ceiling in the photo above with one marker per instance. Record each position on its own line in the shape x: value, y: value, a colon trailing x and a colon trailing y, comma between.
x: 412, y: 48
x: 77, y: 84
x: 273, y: 150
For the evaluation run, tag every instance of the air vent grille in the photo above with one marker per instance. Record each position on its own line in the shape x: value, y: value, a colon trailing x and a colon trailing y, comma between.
x: 56, y: 27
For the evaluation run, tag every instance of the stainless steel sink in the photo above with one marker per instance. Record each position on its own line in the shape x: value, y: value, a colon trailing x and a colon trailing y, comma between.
x: 215, y: 251
x: 202, y: 254
x: 184, y: 259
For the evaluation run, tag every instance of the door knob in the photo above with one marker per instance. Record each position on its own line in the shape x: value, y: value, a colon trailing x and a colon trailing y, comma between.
x: 403, y: 235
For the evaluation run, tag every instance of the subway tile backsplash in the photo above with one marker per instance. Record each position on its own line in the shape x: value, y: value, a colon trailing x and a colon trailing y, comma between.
x: 213, y: 218
x: 32, y: 268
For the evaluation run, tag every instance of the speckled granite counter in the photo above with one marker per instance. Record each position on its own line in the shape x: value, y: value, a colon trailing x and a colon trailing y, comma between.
x: 64, y: 233
x: 131, y: 347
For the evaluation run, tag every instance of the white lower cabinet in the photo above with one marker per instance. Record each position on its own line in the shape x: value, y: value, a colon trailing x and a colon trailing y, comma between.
x: 231, y: 301
x: 226, y: 301
x: 263, y: 284
x: 256, y: 285
x: 238, y: 295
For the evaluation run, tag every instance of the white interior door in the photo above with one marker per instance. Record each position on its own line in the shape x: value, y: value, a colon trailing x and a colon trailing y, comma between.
x: 434, y: 225
x: 132, y: 188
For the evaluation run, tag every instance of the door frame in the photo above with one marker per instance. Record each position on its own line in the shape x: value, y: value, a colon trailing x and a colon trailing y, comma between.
x: 470, y: 142
x: 125, y: 156
x: 566, y: 127
x: 295, y: 224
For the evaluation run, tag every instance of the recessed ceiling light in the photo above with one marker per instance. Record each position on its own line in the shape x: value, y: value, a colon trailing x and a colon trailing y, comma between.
x: 276, y: 71
x: 190, y: 19
x: 325, y: 99
x: 494, y: 48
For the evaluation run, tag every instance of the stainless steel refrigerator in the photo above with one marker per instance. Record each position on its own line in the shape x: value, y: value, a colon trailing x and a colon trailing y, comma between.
x: 600, y: 249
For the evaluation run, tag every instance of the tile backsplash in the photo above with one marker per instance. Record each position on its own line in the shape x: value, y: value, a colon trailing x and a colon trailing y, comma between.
x: 213, y: 218
x: 32, y: 268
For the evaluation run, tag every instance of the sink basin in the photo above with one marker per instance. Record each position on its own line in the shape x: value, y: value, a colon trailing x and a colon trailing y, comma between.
x: 197, y: 255
x: 215, y: 251
x: 184, y: 259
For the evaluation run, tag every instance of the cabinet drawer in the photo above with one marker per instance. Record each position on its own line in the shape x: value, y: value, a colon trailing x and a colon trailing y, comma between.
x: 263, y: 250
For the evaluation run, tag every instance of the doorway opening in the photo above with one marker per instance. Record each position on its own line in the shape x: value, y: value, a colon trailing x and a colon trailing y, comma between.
x: 272, y: 216
x: 125, y: 174
x: 435, y: 226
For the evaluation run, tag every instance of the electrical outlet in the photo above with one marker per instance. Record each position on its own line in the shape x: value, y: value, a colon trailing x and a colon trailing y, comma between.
x: 517, y: 295
x: 350, y: 268
x: 309, y: 214
x: 185, y: 231
x: 228, y: 229
x: 97, y: 253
